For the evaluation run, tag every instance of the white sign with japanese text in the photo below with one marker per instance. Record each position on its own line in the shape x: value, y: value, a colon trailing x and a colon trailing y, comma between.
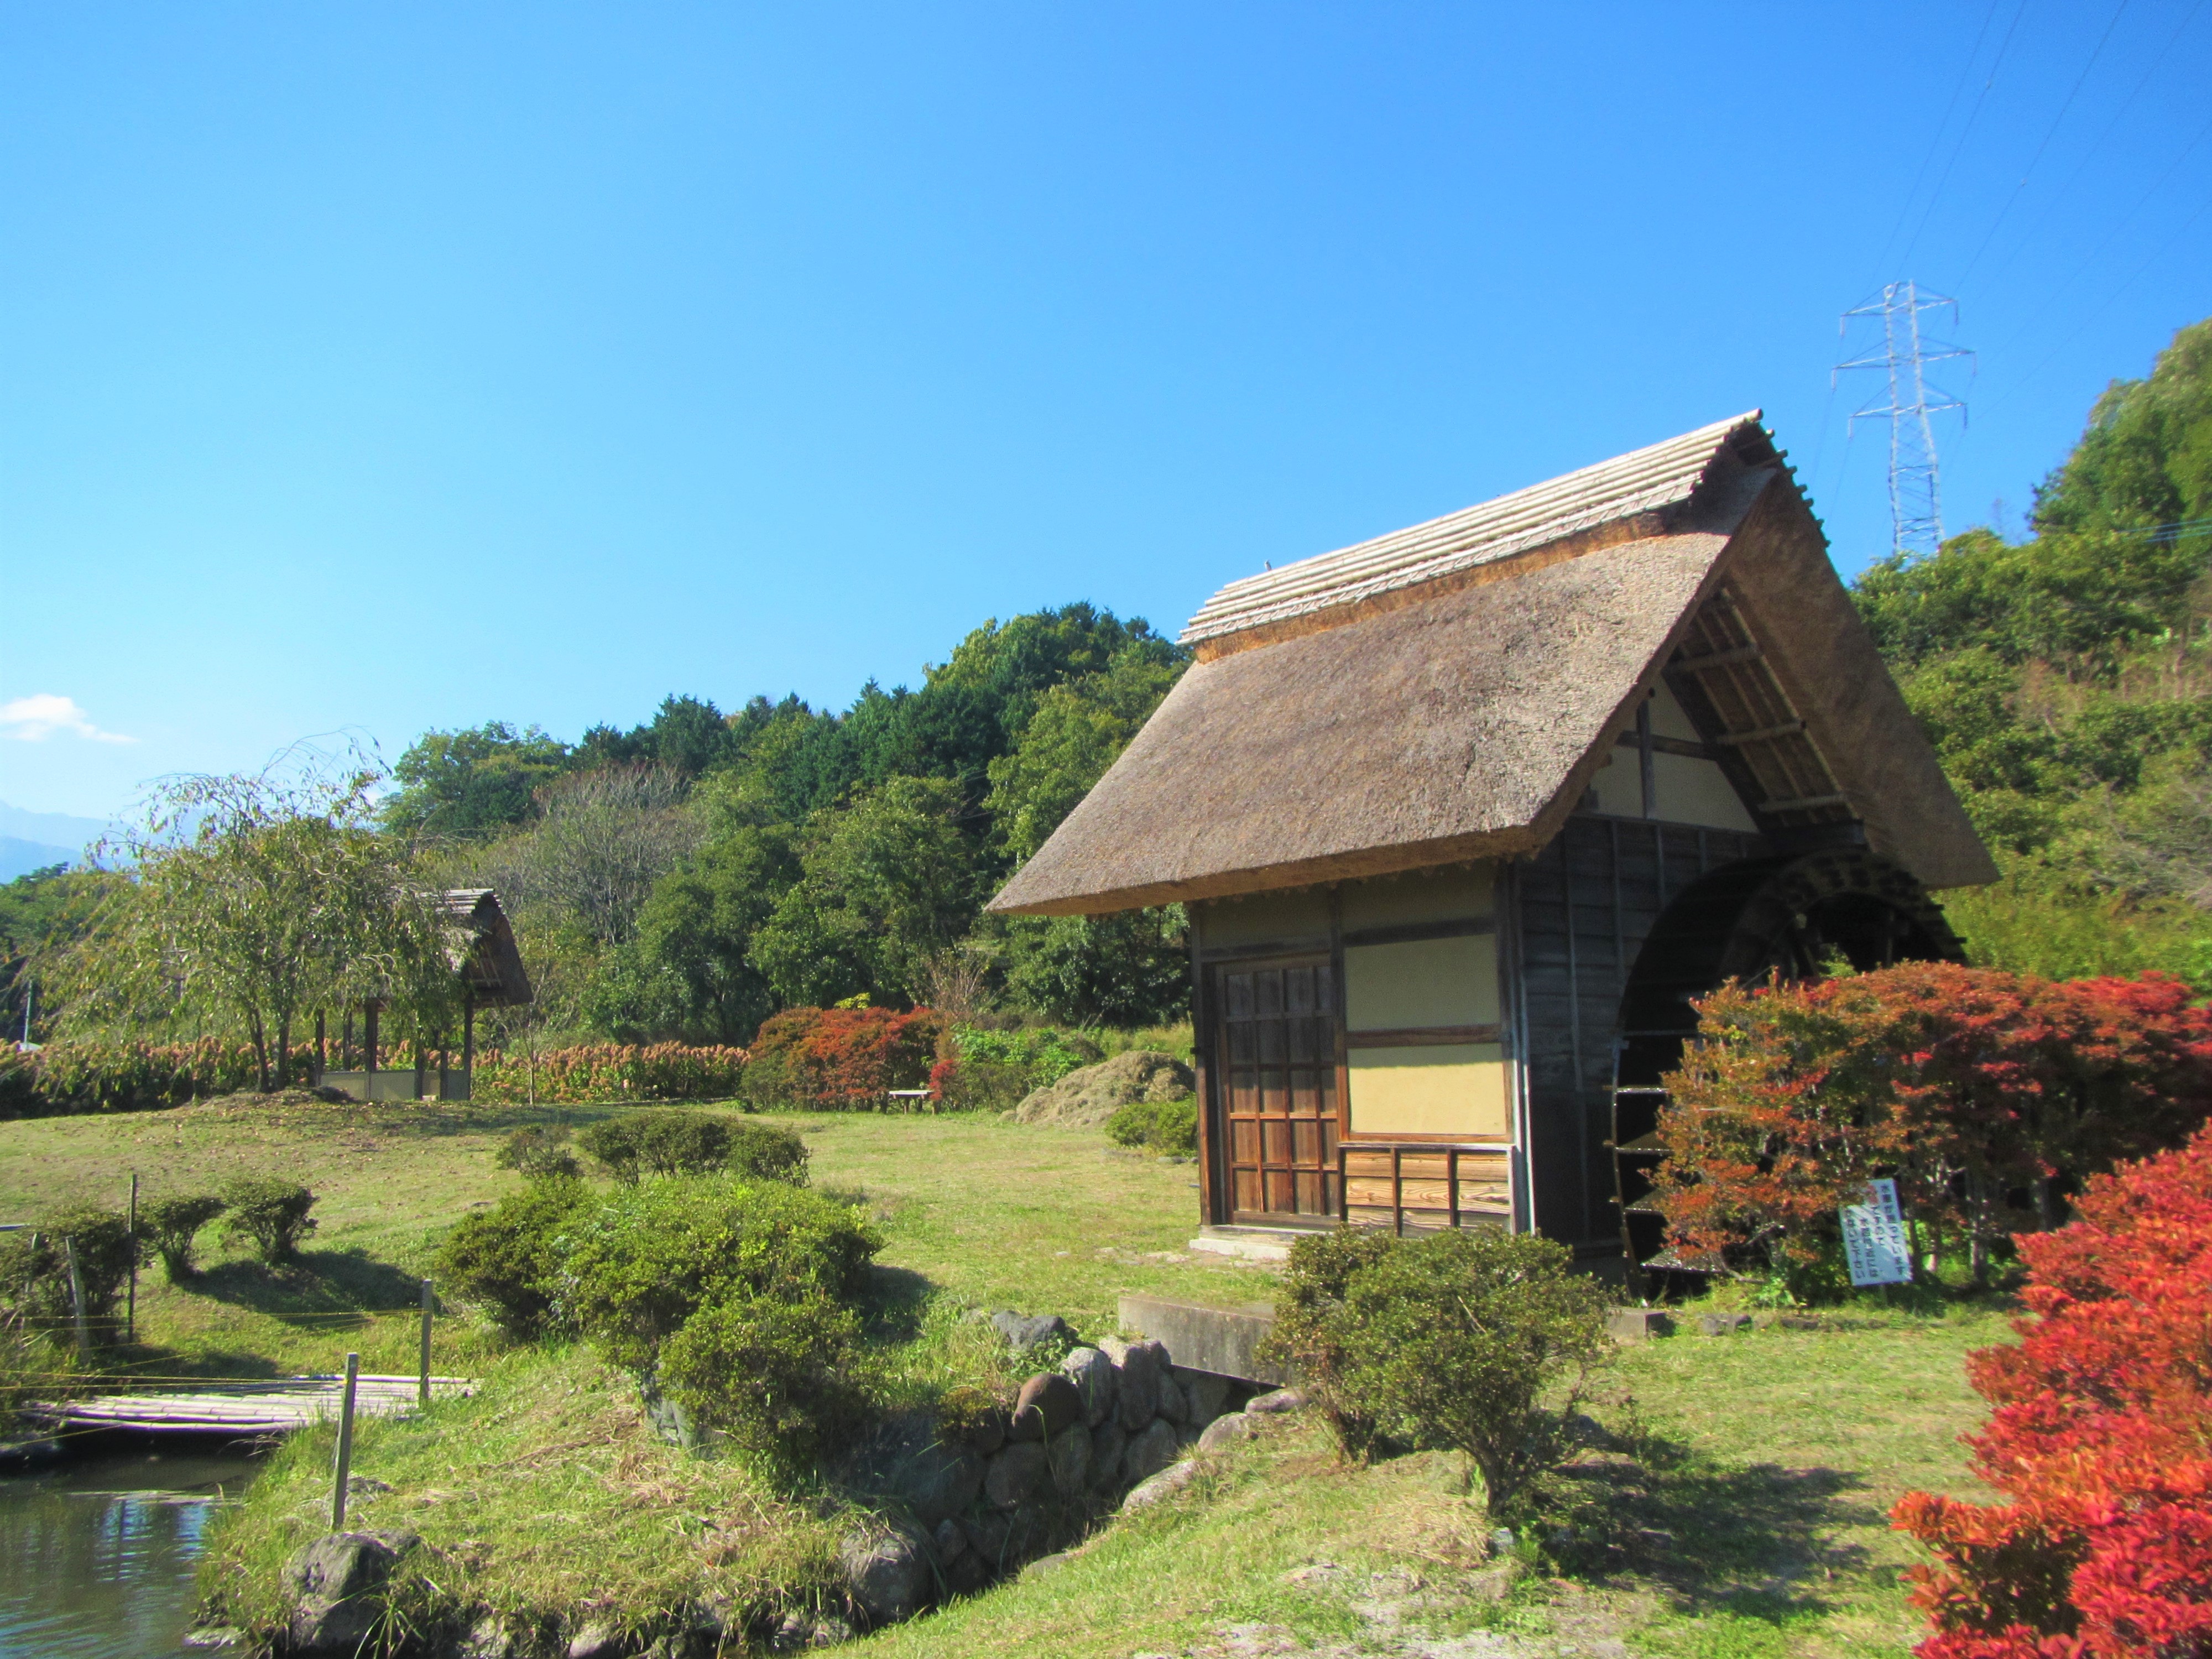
x: 1874, y: 1246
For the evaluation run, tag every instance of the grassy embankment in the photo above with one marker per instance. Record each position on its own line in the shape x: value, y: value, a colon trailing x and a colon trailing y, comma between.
x: 1750, y: 1520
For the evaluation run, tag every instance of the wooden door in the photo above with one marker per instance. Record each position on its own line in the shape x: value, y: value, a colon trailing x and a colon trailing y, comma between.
x: 1276, y: 1098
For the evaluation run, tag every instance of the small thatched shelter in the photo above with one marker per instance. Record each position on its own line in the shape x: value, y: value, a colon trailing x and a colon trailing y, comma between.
x: 1462, y: 816
x: 484, y: 953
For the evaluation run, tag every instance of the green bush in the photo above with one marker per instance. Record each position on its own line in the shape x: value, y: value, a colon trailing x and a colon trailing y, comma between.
x: 767, y: 1151
x: 1166, y: 1125
x: 660, y: 1251
x: 659, y: 1142
x: 170, y: 1225
x: 780, y: 1374
x: 269, y: 1213
x: 1448, y: 1341
x: 509, y: 1257
x: 34, y: 1269
x: 537, y: 1153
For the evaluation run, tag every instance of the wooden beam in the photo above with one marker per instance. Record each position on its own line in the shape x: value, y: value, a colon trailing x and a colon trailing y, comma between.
x: 1802, y: 803
x: 1719, y: 658
x: 1764, y: 734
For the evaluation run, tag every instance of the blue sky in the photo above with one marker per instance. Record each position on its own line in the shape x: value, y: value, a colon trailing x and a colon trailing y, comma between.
x: 375, y: 368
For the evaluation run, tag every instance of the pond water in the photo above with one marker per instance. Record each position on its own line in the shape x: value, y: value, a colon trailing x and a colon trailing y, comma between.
x: 97, y: 1551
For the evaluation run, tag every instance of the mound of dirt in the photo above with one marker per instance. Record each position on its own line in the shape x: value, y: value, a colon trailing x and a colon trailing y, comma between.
x: 1084, y: 1099
x: 245, y: 1098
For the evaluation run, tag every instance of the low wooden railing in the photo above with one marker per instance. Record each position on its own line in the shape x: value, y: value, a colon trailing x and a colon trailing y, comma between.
x: 1422, y: 1186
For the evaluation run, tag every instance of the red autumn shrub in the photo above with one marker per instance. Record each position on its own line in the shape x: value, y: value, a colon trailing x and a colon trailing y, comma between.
x: 2101, y: 1437
x: 837, y: 1058
x: 1980, y: 1091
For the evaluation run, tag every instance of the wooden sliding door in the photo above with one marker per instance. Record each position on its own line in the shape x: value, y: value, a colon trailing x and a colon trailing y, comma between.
x: 1276, y: 1094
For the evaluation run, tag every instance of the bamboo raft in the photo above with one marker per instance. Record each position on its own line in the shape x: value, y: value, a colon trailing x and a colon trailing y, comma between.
x: 276, y: 1405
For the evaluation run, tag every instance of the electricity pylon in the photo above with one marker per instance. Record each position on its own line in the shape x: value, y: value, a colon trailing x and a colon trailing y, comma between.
x: 1916, y: 507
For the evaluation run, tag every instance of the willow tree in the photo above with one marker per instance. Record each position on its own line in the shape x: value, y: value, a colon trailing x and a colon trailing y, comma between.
x: 259, y: 897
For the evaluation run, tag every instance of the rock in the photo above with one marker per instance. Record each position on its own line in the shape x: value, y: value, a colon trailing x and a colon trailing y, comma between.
x: 1226, y: 1432
x: 1282, y: 1399
x: 791, y: 1634
x: 27, y: 1454
x: 828, y: 1632
x: 887, y: 1572
x: 1027, y: 1424
x: 1137, y: 1389
x: 1048, y: 1563
x: 1108, y: 1443
x: 1204, y: 1392
x: 1172, y: 1404
x: 1068, y: 1456
x: 1148, y: 1452
x: 336, y: 1583
x: 487, y: 1639
x: 1024, y: 1331
x: 951, y: 1543
x: 1637, y: 1324
x: 1116, y: 1348
x: 1006, y: 1535
x: 967, y: 1573
x: 1092, y: 1373
x: 1166, y: 1484
x: 1084, y: 1099
x: 1017, y: 1475
x: 1502, y: 1541
x: 1723, y: 1324
x: 596, y: 1642
x: 1057, y: 1398
x: 939, y: 1481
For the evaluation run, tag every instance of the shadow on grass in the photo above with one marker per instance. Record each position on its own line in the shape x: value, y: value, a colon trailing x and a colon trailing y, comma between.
x: 896, y: 1302
x: 332, y: 1289
x: 1759, y: 1541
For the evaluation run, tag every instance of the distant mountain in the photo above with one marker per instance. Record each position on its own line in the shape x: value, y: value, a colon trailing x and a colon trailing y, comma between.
x: 30, y: 840
x: 19, y: 857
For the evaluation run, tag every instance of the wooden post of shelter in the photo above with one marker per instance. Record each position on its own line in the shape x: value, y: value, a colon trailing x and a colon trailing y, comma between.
x: 322, y: 1049
x: 469, y: 1042
x: 369, y: 1010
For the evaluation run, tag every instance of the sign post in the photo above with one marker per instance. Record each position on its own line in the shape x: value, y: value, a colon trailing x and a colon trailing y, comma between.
x: 1875, y: 1247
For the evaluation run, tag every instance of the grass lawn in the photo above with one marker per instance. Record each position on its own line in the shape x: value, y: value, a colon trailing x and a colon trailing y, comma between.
x: 1742, y: 1514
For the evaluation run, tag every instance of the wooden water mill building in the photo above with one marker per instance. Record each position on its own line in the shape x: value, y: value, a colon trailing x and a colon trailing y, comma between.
x: 1464, y: 814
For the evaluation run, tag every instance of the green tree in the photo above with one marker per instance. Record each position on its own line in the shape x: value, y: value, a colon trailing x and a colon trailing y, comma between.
x: 1074, y: 731
x: 260, y: 897
x: 888, y: 883
x: 40, y: 914
x: 688, y: 735
x: 689, y: 973
x: 1130, y: 968
x: 472, y: 783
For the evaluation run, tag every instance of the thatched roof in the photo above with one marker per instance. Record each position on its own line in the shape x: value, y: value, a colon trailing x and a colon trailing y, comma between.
x: 1447, y: 692
x: 492, y: 962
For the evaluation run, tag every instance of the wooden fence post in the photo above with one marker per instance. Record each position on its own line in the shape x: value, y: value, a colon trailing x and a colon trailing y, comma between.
x: 76, y: 1299
x: 423, y: 1394
x: 345, y: 1444
x: 130, y: 1307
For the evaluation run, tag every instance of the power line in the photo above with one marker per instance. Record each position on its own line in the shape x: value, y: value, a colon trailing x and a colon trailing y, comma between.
x: 1965, y: 132
x: 1935, y: 140
x: 2157, y: 61
x: 2049, y: 132
x: 1916, y: 507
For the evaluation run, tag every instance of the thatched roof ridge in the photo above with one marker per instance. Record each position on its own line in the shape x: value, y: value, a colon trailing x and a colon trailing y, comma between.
x: 1641, y: 483
x: 1462, y: 716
